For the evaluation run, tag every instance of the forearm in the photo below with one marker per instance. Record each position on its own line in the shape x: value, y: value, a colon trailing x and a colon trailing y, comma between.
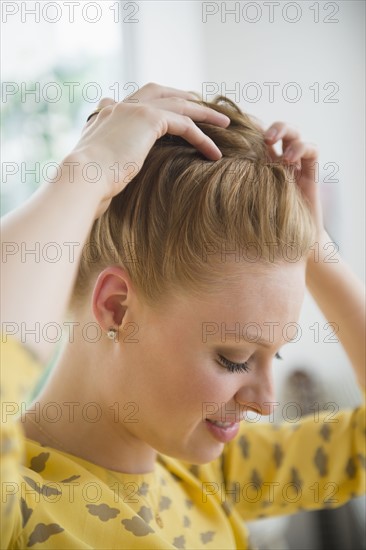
x: 341, y: 297
x: 36, y: 287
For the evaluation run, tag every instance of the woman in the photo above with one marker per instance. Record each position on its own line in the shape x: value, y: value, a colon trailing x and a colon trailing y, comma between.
x: 192, y: 245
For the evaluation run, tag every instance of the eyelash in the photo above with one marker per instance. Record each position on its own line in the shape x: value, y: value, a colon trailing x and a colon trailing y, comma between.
x: 238, y: 367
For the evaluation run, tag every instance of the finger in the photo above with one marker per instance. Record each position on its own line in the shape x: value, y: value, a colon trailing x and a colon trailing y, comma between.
x: 156, y: 91
x: 183, y: 126
x: 198, y: 113
x: 104, y: 102
x: 299, y: 150
x: 304, y: 156
x: 281, y: 130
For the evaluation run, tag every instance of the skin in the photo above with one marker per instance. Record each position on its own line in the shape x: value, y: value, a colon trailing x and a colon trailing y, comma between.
x: 170, y: 375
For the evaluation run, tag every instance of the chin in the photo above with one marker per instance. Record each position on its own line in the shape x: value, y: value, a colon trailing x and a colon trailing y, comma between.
x: 206, y: 457
x: 196, y: 454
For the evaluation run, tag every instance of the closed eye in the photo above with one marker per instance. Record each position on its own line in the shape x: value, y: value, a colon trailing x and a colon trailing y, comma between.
x: 238, y: 367
x: 233, y: 367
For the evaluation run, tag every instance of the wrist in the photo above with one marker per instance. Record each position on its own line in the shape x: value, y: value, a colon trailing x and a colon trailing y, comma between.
x: 324, y: 255
x: 80, y: 179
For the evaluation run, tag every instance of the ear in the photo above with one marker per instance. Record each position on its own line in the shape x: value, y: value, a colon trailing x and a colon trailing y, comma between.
x: 110, y: 297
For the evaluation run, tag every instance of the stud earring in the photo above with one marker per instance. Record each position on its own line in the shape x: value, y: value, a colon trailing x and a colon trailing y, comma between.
x: 112, y: 333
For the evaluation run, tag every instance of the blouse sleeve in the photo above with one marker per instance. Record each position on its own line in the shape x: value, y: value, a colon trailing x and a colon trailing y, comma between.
x: 19, y: 374
x: 314, y: 463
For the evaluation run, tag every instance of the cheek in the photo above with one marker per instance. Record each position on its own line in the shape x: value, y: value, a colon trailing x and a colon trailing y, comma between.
x: 191, y: 383
x: 180, y: 387
x: 171, y: 374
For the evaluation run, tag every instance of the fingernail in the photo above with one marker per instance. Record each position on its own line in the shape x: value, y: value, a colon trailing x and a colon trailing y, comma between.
x: 225, y: 118
x: 271, y: 134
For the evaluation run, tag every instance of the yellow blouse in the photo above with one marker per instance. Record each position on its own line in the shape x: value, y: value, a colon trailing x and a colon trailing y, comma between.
x: 51, y: 499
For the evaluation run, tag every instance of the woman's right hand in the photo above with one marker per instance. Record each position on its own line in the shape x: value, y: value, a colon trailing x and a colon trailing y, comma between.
x: 121, y: 135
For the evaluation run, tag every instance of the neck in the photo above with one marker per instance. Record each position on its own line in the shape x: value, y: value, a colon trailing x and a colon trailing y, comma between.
x: 73, y: 415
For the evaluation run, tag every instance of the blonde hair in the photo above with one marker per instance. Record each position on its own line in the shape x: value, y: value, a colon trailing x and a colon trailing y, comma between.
x: 174, y: 225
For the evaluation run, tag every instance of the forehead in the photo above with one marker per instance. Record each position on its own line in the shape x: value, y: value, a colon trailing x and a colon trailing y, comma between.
x: 276, y: 290
x: 252, y: 302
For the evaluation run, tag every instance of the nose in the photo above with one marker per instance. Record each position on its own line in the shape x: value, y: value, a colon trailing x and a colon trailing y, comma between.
x: 257, y: 394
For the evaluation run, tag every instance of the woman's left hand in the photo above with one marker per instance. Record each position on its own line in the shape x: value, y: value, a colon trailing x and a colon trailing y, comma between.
x: 304, y: 157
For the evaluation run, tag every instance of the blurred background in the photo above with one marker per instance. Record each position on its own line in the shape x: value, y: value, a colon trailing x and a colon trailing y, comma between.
x: 302, y: 62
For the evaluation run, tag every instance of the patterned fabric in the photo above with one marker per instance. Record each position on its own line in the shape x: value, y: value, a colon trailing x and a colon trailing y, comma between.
x: 54, y: 500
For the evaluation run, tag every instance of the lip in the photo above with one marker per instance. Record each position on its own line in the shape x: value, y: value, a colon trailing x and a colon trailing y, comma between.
x: 224, y: 435
x: 235, y: 421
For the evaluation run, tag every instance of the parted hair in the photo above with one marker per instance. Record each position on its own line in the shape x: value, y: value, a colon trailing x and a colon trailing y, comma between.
x: 188, y: 222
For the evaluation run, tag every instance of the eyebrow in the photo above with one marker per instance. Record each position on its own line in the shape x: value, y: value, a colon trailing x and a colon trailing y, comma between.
x: 255, y: 340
